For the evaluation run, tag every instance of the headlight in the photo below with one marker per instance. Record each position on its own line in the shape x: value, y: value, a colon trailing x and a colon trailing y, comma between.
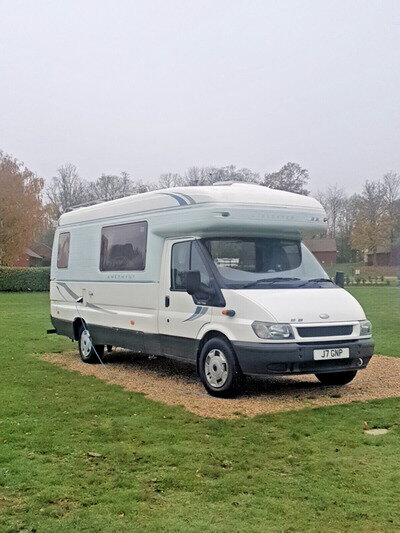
x: 365, y: 327
x: 271, y: 330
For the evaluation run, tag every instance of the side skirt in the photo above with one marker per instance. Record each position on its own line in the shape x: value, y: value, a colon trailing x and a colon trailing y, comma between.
x: 181, y: 348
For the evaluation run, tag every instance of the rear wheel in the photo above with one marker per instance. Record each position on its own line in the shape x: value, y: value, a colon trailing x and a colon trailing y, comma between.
x: 89, y: 353
x: 219, y: 370
x: 337, y: 378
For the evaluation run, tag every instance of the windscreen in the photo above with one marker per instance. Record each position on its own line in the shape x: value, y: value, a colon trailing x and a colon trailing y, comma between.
x: 248, y: 260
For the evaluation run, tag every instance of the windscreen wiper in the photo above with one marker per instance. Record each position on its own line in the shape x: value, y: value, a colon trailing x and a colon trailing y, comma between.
x: 269, y: 280
x: 316, y: 280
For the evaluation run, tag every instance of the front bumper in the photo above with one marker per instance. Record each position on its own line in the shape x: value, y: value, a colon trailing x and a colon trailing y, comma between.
x: 256, y: 358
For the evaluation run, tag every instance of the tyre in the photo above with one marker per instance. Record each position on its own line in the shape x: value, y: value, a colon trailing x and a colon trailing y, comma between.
x: 89, y: 353
x: 218, y: 368
x: 337, y: 378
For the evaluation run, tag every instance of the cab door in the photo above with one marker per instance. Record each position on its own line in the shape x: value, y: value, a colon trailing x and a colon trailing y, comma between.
x: 180, y: 317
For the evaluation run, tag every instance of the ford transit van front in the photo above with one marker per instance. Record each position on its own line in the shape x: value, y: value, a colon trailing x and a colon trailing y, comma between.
x: 286, y: 315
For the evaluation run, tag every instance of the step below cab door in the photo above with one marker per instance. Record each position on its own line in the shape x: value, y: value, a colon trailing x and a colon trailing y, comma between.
x: 181, y: 316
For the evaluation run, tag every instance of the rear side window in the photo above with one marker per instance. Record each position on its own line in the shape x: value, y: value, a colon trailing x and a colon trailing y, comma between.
x: 63, y: 250
x: 123, y: 247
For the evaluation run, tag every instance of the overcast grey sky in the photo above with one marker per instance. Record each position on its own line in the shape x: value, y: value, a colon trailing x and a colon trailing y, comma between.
x: 156, y: 86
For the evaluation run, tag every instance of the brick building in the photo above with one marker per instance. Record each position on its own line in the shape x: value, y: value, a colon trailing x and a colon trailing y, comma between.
x: 324, y: 250
x: 38, y: 254
x: 385, y: 256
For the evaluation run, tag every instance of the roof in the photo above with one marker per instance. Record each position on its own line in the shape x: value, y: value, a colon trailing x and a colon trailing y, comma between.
x: 177, y: 197
x: 321, y: 245
x: 44, y: 250
x: 31, y: 253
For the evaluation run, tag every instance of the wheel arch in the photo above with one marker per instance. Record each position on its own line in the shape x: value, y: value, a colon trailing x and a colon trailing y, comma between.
x: 210, y: 334
x: 77, y: 324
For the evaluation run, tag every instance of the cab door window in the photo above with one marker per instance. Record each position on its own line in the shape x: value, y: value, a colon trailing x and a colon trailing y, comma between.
x: 186, y: 256
x: 180, y: 263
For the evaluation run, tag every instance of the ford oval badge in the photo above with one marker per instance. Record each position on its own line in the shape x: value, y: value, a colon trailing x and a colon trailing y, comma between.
x: 323, y: 315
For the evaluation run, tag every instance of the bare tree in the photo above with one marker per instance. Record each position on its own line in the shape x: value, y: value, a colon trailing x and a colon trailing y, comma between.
x: 391, y: 186
x: 291, y: 177
x: 347, y: 219
x: 140, y: 187
x: 210, y: 175
x: 333, y: 201
x: 231, y: 173
x: 170, y: 180
x: 372, y: 226
x: 66, y: 189
x: 198, y: 176
x: 110, y: 187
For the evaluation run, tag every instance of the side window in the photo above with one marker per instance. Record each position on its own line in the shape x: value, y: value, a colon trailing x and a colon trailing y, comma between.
x: 63, y: 250
x: 197, y: 263
x: 180, y: 263
x: 123, y: 247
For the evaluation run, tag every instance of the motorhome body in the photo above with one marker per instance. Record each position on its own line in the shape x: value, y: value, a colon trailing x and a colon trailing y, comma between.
x: 213, y: 275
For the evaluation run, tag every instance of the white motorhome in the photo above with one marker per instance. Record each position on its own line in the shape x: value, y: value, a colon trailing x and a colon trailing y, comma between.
x: 216, y: 276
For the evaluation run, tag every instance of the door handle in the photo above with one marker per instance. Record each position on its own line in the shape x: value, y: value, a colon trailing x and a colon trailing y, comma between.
x: 167, y: 301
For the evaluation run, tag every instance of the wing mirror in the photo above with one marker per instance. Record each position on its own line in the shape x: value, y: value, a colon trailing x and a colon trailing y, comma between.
x: 195, y: 286
x: 339, y: 279
x: 193, y: 282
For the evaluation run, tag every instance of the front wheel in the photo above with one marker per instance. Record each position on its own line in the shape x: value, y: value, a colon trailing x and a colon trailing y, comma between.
x: 219, y: 370
x: 89, y: 353
x: 336, y: 378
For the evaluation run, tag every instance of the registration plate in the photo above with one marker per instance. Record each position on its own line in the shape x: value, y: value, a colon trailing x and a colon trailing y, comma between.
x: 331, y: 353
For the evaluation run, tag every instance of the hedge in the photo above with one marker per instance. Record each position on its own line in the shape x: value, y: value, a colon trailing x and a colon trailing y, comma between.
x: 23, y: 279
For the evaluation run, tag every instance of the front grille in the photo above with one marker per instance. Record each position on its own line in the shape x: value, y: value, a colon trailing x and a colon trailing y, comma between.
x: 337, y: 344
x: 324, y: 331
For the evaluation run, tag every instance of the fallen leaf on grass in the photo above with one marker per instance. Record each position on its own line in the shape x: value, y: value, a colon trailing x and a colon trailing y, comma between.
x: 376, y: 431
x: 94, y: 454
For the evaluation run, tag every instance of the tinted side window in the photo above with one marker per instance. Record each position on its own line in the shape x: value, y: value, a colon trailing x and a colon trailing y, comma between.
x: 123, y: 247
x: 63, y: 250
x: 180, y: 263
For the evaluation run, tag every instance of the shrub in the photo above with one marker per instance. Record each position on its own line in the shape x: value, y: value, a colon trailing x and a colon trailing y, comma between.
x: 23, y: 279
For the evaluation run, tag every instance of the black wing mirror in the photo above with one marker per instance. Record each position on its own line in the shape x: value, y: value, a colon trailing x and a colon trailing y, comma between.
x: 193, y: 282
x: 339, y: 279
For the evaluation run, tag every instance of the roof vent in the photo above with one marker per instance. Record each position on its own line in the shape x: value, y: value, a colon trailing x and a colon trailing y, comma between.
x: 233, y: 182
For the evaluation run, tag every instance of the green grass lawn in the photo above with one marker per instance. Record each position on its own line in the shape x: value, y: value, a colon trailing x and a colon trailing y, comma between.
x: 382, y: 307
x: 347, y: 268
x: 162, y: 469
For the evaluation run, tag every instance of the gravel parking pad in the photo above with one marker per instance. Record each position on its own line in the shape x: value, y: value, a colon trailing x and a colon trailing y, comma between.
x: 174, y: 383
